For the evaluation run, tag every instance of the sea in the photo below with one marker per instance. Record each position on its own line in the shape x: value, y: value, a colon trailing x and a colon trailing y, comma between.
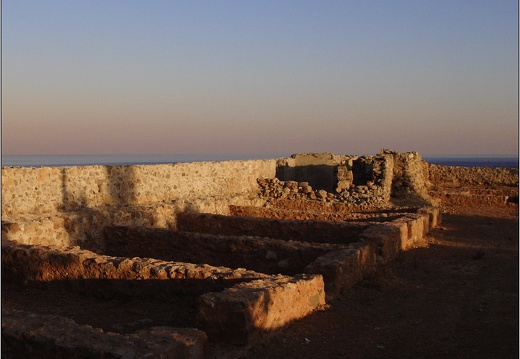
x: 85, y: 160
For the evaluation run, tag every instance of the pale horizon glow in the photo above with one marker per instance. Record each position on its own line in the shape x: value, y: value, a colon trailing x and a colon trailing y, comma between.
x: 259, y: 77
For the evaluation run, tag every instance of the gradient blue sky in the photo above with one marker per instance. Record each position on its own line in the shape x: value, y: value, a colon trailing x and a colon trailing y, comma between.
x: 259, y: 77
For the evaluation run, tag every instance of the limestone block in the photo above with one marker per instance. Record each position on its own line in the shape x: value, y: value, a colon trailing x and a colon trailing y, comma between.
x: 416, y: 230
x: 434, y: 214
x: 386, y: 239
x: 247, y: 311
x: 342, y: 269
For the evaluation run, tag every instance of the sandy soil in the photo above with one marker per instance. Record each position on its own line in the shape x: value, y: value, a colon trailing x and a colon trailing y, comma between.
x: 457, y: 298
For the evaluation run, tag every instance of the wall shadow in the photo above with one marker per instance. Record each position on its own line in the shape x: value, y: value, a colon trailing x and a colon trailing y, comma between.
x: 318, y: 176
x: 116, y: 190
x: 465, y: 230
x: 260, y: 255
x: 115, y: 304
x: 121, y: 185
x: 295, y: 230
x: 363, y: 171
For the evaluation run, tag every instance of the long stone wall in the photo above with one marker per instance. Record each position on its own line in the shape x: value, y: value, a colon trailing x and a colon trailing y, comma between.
x: 455, y: 176
x: 203, y: 185
x: 51, y: 189
x: 30, y: 335
x: 474, y: 186
x: 72, y: 205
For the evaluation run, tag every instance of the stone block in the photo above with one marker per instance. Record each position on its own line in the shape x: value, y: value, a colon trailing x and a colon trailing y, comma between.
x: 416, y: 230
x: 387, y: 241
x: 342, y: 269
x: 246, y: 312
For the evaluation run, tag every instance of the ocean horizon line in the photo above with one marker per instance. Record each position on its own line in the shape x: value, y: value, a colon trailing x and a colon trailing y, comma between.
x: 137, y: 159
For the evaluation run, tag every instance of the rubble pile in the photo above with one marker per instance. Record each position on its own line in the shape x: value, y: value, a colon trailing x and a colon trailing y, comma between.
x: 369, y: 194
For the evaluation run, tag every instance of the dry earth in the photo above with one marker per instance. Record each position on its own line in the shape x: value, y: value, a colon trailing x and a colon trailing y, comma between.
x: 458, y: 298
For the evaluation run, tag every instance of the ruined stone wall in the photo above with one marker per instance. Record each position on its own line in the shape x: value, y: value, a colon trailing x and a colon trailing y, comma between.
x: 375, y: 181
x: 366, y: 180
x: 51, y: 189
x: 410, y: 178
x: 317, y: 169
x: 236, y: 306
x: 201, y: 186
x: 289, y: 230
x: 72, y: 205
x: 30, y: 335
x: 454, y: 176
x: 474, y: 186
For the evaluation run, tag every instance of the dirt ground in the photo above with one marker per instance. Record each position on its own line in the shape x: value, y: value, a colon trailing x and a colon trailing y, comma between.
x: 457, y: 298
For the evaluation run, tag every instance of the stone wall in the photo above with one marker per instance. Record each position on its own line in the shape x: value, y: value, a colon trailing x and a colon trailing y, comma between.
x: 53, y: 220
x: 51, y: 189
x: 72, y: 205
x: 410, y: 177
x: 211, y: 186
x: 288, y: 230
x: 355, y: 180
x: 234, y: 305
x: 474, y: 186
x: 30, y: 335
x: 38, y: 191
x: 261, y: 254
x: 454, y: 176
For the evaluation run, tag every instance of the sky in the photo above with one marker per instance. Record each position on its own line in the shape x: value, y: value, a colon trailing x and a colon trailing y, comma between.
x: 259, y: 77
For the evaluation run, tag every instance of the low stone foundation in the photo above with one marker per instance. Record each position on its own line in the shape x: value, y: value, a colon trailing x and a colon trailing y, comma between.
x: 287, y: 214
x: 29, y: 335
x: 475, y: 186
x: 117, y: 277
x: 243, y: 313
x: 500, y: 199
x: 295, y: 230
x: 261, y: 254
x: 236, y: 306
